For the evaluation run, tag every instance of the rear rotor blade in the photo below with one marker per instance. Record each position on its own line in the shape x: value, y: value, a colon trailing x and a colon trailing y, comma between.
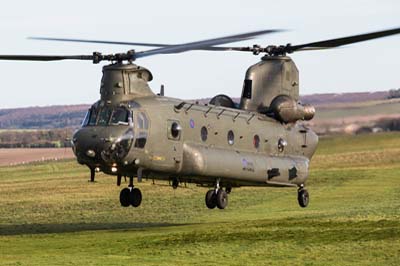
x: 321, y: 45
x: 343, y: 41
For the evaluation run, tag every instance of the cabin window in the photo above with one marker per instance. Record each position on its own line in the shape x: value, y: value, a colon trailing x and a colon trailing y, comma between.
x: 247, y: 88
x: 174, y: 130
x: 204, y: 133
x: 120, y: 116
x: 104, y: 116
x: 231, y: 137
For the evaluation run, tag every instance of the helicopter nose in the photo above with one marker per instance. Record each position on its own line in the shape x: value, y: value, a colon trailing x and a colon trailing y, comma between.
x: 92, y: 146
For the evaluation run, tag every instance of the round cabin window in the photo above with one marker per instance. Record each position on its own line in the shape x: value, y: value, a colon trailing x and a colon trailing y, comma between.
x: 231, y: 137
x: 256, y: 141
x: 204, y: 133
x: 175, y: 130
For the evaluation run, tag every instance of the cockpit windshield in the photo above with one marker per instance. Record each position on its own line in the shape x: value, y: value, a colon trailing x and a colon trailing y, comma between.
x: 104, y: 116
x: 107, y: 116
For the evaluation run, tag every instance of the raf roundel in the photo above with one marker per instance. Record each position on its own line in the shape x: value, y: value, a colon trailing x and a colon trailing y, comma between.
x: 191, y: 123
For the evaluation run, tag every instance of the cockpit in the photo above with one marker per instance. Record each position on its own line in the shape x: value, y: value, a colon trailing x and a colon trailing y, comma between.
x: 137, y: 122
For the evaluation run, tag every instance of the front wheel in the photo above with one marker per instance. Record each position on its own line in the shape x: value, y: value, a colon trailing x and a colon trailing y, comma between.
x: 124, y: 196
x: 135, y: 197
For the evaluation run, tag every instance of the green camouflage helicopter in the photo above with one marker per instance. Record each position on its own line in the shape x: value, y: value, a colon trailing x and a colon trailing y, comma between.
x: 132, y: 131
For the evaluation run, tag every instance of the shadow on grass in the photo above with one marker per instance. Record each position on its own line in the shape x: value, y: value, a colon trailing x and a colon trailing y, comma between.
x: 305, y: 230
x: 22, y: 229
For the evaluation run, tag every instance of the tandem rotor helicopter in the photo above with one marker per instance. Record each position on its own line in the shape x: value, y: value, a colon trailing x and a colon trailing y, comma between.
x: 132, y: 131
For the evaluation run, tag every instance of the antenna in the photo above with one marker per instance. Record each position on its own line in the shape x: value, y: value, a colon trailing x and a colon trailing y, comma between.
x: 161, y: 90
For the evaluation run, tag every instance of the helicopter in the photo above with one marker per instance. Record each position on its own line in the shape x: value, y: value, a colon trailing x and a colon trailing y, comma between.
x: 134, y: 132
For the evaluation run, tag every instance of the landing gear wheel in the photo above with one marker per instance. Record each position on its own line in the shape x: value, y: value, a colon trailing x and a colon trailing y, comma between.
x: 303, y: 197
x: 135, y: 197
x: 222, y: 199
x: 124, y: 196
x: 175, y: 183
x: 211, y: 199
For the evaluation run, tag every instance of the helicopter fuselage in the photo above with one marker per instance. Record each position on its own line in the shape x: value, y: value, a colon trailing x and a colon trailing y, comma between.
x: 170, y: 139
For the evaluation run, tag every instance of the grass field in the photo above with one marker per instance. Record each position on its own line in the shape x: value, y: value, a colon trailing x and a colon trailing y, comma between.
x: 51, y: 215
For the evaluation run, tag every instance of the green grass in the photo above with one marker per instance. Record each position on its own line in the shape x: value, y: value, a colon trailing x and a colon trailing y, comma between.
x: 51, y: 215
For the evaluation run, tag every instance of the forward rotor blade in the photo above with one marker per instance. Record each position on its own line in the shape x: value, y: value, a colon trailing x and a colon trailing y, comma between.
x: 96, y: 57
x: 203, y: 44
x: 100, y: 41
x: 45, y: 57
x: 212, y: 48
x: 160, y: 45
x: 343, y: 41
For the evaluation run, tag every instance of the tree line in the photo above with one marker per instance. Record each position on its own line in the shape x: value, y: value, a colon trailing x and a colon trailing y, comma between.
x: 395, y: 93
x: 51, y: 138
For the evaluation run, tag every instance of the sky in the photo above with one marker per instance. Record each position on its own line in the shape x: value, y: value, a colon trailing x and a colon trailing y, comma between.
x: 368, y: 66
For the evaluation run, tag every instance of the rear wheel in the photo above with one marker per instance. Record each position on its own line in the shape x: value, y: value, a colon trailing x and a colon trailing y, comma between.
x: 211, y: 199
x: 222, y: 199
x: 303, y: 197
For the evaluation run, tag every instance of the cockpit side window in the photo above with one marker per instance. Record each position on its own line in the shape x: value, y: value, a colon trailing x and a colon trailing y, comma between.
x: 104, y: 116
x: 86, y: 119
x: 93, y: 117
x: 142, y: 124
x: 120, y: 116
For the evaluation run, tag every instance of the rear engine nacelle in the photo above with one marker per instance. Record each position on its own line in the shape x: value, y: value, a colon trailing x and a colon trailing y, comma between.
x: 285, y: 109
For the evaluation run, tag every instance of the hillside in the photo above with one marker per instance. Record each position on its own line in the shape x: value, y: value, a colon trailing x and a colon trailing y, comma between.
x: 336, y: 98
x: 335, y: 113
x: 42, y: 117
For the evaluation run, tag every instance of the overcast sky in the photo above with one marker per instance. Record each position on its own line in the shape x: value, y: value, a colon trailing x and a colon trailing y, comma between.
x: 369, y: 66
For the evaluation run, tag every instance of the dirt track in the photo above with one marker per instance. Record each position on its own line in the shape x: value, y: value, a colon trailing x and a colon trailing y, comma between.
x: 21, y: 156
